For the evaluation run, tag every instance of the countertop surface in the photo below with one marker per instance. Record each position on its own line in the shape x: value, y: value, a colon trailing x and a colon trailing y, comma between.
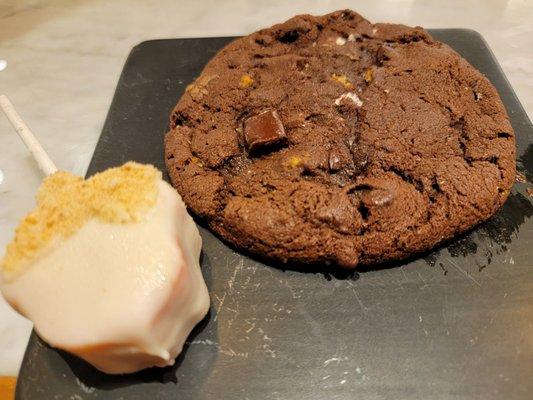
x: 60, y: 61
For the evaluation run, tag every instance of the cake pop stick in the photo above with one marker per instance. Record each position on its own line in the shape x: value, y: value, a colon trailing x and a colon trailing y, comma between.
x: 46, y: 165
x: 107, y: 268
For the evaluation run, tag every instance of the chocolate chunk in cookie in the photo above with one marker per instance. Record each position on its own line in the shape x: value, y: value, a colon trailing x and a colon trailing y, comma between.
x: 262, y: 130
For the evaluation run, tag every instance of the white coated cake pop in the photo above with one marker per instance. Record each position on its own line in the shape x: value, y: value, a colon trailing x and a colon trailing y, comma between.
x: 107, y: 268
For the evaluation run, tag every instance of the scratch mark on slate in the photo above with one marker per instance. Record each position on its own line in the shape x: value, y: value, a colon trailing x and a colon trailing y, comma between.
x: 238, y: 267
x: 338, y: 360
x: 363, y: 307
x: 220, y: 304
x: 463, y: 272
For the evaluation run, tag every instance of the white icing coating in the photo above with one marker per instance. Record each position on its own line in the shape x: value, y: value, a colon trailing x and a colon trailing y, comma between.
x: 123, y: 297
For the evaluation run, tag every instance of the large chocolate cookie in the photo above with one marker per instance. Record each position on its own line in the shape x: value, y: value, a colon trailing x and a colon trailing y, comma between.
x: 331, y: 139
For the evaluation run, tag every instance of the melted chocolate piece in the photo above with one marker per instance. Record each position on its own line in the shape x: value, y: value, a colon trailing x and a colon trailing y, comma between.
x: 264, y: 129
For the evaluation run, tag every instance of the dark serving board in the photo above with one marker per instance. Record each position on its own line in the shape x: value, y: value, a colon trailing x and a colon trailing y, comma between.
x: 453, y: 324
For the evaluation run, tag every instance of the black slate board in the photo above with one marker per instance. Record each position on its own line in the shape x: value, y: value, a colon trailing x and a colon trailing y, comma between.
x: 455, y: 323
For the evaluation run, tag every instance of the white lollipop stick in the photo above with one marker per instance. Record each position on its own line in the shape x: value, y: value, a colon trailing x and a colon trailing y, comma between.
x: 46, y: 165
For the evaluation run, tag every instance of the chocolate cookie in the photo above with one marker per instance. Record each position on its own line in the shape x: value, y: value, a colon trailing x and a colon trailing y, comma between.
x: 333, y: 140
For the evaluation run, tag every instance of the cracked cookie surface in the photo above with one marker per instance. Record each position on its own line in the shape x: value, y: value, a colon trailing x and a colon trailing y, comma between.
x: 333, y: 140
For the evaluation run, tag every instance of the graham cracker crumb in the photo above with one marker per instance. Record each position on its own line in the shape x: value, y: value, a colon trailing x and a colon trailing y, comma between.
x: 65, y: 202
